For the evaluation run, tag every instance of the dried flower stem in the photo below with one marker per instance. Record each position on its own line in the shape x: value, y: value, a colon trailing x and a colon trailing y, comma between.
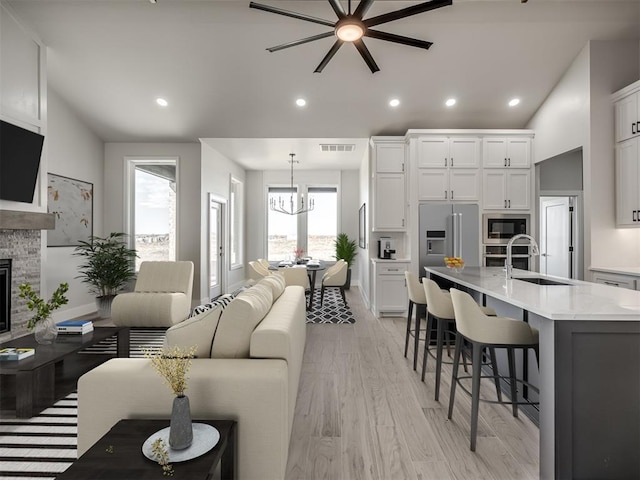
x: 173, y: 366
x: 159, y: 449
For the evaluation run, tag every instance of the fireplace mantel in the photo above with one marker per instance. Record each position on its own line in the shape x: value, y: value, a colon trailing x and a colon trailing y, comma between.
x: 14, y: 220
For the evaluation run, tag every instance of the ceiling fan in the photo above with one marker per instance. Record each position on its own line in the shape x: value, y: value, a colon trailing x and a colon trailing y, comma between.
x: 351, y: 27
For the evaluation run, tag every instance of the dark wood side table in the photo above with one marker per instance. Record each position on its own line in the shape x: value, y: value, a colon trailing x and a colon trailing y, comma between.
x: 127, y: 462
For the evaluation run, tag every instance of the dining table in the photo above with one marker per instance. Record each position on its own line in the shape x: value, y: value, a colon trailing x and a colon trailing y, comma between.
x: 312, y: 267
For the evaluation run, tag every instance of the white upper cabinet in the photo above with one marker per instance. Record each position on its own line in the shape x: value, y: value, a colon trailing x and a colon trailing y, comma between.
x: 505, y: 189
x: 448, y: 152
x: 389, y: 157
x: 506, y: 152
x: 627, y: 117
x: 628, y: 184
x: 389, y: 203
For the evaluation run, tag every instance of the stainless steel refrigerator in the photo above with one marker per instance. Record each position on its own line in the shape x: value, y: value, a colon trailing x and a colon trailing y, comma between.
x: 449, y: 230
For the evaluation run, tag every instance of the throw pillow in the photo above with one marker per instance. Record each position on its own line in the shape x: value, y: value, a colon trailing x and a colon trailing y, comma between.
x: 198, y: 330
x: 222, y: 301
x: 239, y: 319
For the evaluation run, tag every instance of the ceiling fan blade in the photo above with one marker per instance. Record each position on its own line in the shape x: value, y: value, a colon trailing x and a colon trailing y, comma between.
x: 390, y: 37
x: 287, y: 13
x: 337, y: 7
x: 300, y: 42
x: 366, y: 55
x: 362, y: 8
x: 336, y: 46
x: 406, y: 12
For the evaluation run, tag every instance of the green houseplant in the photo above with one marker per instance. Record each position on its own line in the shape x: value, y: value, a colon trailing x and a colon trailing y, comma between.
x: 45, y: 327
x: 346, y: 249
x: 107, y: 267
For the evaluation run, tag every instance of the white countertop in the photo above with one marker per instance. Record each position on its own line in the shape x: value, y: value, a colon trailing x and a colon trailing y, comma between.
x: 386, y: 260
x: 633, y: 271
x: 578, y: 301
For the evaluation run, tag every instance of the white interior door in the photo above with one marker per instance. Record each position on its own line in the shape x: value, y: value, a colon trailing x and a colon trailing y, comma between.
x: 555, y: 236
x: 216, y: 247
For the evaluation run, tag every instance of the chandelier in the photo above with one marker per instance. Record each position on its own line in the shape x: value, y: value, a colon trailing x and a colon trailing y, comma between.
x: 280, y: 206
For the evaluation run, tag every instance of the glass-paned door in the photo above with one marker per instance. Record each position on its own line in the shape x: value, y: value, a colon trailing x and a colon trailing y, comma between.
x: 216, y: 251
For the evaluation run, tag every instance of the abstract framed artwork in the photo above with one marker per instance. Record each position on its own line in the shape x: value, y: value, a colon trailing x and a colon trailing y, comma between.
x: 362, y: 226
x: 71, y: 201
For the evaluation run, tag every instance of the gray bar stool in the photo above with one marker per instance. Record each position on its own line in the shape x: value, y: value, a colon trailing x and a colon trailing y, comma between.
x: 416, y: 297
x: 484, y: 331
x: 440, y: 309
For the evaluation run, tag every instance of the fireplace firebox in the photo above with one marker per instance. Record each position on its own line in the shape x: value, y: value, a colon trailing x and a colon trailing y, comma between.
x: 5, y: 295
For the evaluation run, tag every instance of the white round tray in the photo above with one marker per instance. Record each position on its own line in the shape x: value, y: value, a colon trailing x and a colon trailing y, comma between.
x: 205, y: 437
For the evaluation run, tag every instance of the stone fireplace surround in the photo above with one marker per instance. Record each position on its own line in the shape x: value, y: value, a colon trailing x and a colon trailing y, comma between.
x: 21, y: 241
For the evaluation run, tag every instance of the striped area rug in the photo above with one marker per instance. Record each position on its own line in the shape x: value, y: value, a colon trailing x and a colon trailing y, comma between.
x: 45, y: 446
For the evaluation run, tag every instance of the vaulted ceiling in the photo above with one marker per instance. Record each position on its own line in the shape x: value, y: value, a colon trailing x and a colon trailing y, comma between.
x: 110, y: 60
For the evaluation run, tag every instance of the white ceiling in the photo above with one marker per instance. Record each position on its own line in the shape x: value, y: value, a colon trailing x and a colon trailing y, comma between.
x: 110, y: 59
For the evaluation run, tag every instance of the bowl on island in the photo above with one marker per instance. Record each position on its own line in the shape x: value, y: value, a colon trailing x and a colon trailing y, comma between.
x: 454, y: 263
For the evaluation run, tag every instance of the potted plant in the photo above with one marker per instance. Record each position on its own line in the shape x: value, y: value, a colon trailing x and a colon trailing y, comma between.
x: 45, y: 328
x: 108, y: 266
x: 346, y: 250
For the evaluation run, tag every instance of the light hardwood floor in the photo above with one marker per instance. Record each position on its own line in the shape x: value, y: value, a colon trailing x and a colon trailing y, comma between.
x: 363, y: 413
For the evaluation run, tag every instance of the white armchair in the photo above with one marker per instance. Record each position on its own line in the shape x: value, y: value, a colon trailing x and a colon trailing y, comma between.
x: 161, y: 298
x: 257, y: 270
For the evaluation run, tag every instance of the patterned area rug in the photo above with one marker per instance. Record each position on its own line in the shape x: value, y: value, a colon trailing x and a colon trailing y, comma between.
x: 42, y: 447
x: 333, y: 309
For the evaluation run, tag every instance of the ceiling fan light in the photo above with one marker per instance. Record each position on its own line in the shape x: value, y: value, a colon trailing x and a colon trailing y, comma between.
x: 350, y: 31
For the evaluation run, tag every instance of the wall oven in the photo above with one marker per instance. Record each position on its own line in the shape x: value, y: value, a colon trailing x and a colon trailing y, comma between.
x: 496, y: 255
x: 498, y: 228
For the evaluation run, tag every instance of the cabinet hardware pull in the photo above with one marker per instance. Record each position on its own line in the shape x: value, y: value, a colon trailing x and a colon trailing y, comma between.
x: 509, y: 161
x: 403, y: 222
x: 505, y: 162
x: 452, y: 161
x: 445, y: 162
x: 633, y: 125
x: 612, y: 283
x: 451, y: 194
x: 505, y: 204
x: 445, y: 194
x: 635, y: 215
x: 392, y: 269
x: 509, y: 203
x: 403, y: 167
x: 637, y: 127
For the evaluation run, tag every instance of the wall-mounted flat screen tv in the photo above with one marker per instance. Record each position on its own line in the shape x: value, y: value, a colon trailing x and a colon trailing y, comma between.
x: 20, y: 152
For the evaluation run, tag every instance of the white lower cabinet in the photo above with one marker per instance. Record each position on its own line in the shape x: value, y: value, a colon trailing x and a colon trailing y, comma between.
x: 622, y: 281
x: 389, y: 287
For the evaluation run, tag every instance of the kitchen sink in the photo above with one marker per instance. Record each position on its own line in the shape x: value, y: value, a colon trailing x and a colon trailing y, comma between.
x: 540, y: 281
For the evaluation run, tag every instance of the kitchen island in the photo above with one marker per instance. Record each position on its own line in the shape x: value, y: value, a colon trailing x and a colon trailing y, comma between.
x: 589, y: 373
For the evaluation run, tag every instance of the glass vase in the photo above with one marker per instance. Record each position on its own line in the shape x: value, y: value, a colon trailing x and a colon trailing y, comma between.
x: 180, y: 428
x: 45, y: 331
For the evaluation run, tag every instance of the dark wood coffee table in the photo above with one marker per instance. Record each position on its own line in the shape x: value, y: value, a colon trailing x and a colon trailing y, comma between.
x: 126, y: 460
x: 35, y: 376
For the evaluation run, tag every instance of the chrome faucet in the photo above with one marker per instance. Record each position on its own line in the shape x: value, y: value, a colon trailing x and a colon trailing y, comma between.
x: 508, y: 265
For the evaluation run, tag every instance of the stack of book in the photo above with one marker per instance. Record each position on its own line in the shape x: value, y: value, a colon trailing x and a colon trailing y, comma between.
x: 16, y: 353
x: 75, y: 327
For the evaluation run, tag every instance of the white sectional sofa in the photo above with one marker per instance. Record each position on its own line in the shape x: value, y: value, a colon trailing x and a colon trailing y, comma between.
x: 253, y: 377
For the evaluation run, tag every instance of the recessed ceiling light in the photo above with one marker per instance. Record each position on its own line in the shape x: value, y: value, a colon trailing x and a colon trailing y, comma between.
x: 513, y: 102
x: 162, y: 102
x: 394, y: 102
x: 451, y: 102
x: 301, y: 102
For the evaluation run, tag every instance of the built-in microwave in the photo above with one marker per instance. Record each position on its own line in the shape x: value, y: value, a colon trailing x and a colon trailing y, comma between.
x: 498, y: 228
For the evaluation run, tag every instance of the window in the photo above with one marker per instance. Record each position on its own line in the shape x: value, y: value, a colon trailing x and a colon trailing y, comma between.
x: 152, y: 209
x: 322, y: 223
x: 282, y: 234
x: 314, y: 232
x: 236, y: 221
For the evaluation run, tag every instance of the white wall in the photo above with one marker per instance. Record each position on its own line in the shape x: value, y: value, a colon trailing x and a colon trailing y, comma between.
x: 579, y: 105
x: 74, y: 151
x: 614, y: 65
x: 189, y: 205
x: 215, y: 175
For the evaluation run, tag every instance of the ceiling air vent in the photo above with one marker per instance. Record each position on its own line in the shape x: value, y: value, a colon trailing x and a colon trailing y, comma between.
x: 337, y: 147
